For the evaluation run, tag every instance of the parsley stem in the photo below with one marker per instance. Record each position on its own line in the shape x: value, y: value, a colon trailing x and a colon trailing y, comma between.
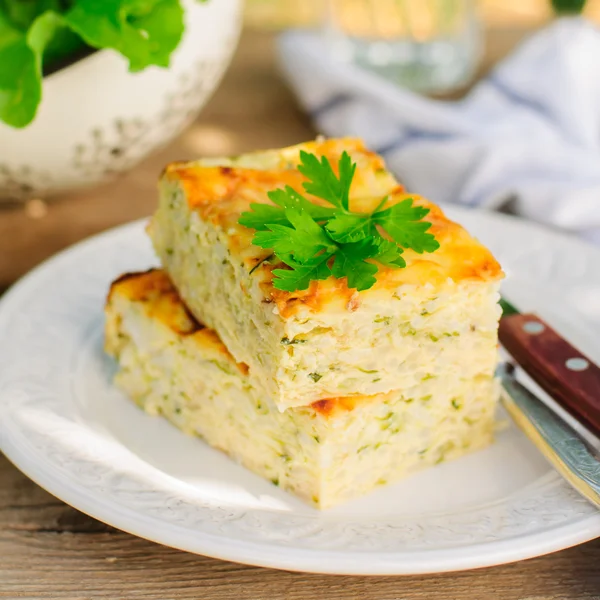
x: 380, y: 205
x: 260, y: 262
x: 366, y: 215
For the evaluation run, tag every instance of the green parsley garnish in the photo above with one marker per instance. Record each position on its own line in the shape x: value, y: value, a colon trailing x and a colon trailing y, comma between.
x: 315, y: 242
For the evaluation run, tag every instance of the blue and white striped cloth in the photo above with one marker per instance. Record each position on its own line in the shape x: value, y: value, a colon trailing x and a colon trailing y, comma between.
x: 526, y: 138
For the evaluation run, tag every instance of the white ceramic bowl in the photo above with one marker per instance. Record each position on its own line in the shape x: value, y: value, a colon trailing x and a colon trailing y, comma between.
x: 97, y: 119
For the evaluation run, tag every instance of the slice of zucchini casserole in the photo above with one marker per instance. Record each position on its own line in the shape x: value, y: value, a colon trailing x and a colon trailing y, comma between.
x: 327, y: 452
x: 437, y: 316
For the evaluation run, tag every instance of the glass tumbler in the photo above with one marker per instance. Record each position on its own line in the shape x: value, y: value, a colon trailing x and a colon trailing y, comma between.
x: 431, y: 46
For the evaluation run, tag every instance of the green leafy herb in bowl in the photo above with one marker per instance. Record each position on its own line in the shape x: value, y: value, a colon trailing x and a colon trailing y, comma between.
x: 86, y: 106
x: 37, y: 36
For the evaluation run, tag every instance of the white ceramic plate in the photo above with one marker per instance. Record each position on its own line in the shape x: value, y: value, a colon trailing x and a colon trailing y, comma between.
x: 66, y: 427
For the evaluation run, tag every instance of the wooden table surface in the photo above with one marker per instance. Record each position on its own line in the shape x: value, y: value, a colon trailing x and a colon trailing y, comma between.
x: 50, y: 550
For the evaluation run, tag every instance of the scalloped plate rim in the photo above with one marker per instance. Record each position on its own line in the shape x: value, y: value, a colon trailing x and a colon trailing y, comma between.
x: 266, y: 553
x: 338, y: 563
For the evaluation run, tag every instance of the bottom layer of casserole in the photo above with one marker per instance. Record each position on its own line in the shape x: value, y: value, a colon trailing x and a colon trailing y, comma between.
x: 328, y: 452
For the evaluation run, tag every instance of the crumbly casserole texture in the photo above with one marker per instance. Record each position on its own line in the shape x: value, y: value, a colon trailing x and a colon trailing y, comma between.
x: 327, y: 452
x: 428, y: 320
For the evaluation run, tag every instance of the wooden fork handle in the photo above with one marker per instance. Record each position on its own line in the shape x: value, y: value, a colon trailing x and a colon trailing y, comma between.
x: 570, y: 377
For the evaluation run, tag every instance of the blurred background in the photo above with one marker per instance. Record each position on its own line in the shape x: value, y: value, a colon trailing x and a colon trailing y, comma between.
x: 439, y: 48
x: 277, y: 14
x: 431, y: 46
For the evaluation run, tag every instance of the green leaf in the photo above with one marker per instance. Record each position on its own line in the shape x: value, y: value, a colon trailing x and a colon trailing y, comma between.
x: 21, y: 67
x: 403, y: 223
x: 346, y: 168
x: 42, y: 32
x: 405, y: 210
x: 144, y: 31
x: 262, y: 216
x: 20, y: 84
x: 23, y: 13
x: 348, y: 227
x: 310, y: 235
x: 350, y: 262
x: 303, y: 240
x: 35, y: 35
x: 290, y: 198
x: 323, y: 182
x: 9, y: 32
x: 65, y: 47
x: 316, y: 242
x: 299, y: 275
x: 20, y: 14
x: 388, y: 253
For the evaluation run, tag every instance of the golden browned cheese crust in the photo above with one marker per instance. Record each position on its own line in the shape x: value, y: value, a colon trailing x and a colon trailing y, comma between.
x: 154, y: 290
x: 330, y: 407
x: 220, y: 194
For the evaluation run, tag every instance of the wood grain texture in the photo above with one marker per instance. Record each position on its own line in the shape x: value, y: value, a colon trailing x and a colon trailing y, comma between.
x: 49, y: 550
x: 543, y: 354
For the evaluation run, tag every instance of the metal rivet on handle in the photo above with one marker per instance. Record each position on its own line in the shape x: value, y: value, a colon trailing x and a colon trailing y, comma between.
x: 577, y: 364
x: 533, y: 327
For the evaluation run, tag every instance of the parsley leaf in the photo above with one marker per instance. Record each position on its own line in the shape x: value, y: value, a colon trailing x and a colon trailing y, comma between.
x: 290, y: 198
x: 299, y: 275
x: 349, y: 262
x: 261, y: 215
x: 403, y: 223
x: 323, y: 182
x: 388, y: 253
x: 315, y: 242
x: 302, y: 240
x: 348, y: 227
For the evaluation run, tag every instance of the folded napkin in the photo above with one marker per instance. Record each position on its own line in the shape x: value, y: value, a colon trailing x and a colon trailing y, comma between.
x: 526, y: 138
